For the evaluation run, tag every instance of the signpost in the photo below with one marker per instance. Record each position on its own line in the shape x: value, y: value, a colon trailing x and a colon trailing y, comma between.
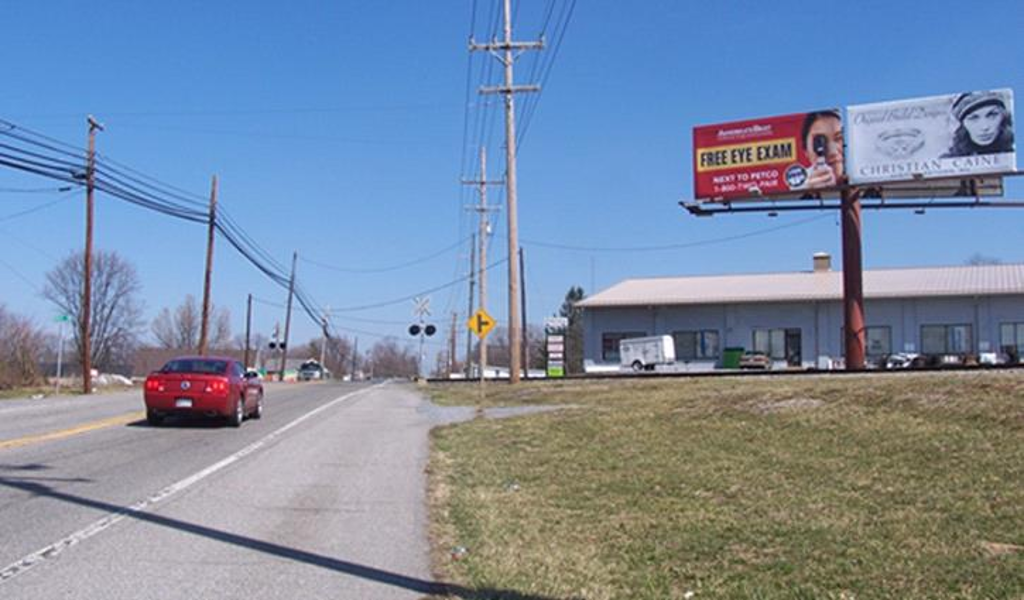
x: 421, y: 310
x: 554, y: 329
x: 481, y: 324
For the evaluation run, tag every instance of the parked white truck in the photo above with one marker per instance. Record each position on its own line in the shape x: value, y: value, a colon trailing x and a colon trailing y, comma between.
x: 646, y: 353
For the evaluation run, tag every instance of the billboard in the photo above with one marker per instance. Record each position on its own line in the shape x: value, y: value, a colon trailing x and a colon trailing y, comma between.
x: 788, y: 156
x: 957, y: 135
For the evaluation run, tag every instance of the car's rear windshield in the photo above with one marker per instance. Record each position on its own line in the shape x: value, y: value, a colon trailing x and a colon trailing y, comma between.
x: 195, y: 365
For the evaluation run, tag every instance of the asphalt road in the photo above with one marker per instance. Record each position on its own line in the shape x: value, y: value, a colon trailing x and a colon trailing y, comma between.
x: 322, y: 498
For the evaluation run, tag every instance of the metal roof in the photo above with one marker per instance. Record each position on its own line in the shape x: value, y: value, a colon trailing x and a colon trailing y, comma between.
x: 811, y: 286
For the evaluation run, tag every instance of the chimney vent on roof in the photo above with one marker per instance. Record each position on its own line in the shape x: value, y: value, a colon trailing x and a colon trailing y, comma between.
x: 822, y: 262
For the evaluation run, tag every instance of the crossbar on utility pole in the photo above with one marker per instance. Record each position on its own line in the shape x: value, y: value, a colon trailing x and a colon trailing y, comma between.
x: 204, y: 329
x: 509, y: 90
x: 482, y: 209
x: 288, y: 316
x: 86, y: 318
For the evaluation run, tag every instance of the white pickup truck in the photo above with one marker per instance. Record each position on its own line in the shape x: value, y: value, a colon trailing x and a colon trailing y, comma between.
x: 646, y: 353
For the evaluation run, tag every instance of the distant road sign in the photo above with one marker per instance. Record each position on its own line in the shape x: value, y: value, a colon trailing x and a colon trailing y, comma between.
x: 62, y: 318
x: 481, y: 323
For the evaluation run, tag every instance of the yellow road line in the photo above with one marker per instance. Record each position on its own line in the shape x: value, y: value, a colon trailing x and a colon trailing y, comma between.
x: 65, y: 433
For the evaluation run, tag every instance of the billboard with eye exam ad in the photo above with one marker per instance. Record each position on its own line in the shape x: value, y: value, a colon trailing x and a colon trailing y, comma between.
x: 788, y: 155
x: 955, y: 135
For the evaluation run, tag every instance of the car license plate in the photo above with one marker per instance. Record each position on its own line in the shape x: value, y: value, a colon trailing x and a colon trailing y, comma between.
x: 183, y: 403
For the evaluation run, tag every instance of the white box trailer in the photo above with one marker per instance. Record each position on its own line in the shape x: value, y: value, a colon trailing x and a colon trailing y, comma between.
x: 646, y: 353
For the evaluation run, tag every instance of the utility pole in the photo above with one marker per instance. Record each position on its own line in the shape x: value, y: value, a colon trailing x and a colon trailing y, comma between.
x: 288, y: 315
x: 204, y: 330
x: 355, y: 355
x: 469, y: 311
x: 526, y: 338
x: 451, y: 343
x: 482, y: 236
x: 248, y: 328
x: 323, y: 341
x: 90, y: 184
x: 509, y: 50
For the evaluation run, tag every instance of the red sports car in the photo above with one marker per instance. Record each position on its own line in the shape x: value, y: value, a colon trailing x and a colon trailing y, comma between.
x: 204, y: 385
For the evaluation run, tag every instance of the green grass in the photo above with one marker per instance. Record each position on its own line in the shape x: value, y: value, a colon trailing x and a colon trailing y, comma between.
x: 853, y: 487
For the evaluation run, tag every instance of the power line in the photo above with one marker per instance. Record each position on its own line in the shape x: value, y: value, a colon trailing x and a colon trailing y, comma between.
x: 35, y: 209
x: 395, y: 267
x: 414, y: 295
x: 661, y: 248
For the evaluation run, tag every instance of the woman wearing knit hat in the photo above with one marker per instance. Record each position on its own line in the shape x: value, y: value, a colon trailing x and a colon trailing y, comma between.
x: 985, y: 125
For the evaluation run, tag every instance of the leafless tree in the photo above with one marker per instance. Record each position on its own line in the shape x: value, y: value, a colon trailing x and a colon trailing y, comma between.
x: 389, y: 359
x: 115, y: 323
x: 978, y: 259
x: 22, y: 345
x: 180, y: 329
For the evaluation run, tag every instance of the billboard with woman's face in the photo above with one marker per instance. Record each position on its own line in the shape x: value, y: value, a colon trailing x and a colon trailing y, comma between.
x: 790, y: 155
x: 950, y: 136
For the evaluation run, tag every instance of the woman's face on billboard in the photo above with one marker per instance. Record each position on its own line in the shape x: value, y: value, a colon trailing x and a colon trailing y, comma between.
x: 983, y: 124
x: 832, y: 128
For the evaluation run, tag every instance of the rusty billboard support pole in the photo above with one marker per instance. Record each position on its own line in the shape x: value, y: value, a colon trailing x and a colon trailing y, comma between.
x: 853, y: 280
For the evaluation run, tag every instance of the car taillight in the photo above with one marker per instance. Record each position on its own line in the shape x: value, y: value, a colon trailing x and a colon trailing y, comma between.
x: 154, y: 385
x: 219, y: 385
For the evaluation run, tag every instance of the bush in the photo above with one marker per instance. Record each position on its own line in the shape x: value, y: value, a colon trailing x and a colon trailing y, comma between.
x: 21, y: 349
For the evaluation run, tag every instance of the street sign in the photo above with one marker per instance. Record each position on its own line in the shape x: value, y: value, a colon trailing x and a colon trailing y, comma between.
x: 62, y: 319
x: 481, y: 323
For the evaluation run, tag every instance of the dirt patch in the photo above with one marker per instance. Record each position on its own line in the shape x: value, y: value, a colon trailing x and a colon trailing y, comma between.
x: 789, y: 405
x: 996, y: 549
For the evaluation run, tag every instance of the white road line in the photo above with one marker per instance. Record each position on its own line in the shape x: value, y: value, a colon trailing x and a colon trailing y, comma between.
x: 53, y: 550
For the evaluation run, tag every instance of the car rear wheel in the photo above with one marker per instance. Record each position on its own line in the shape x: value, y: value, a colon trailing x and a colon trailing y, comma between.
x: 236, y: 417
x: 258, y: 412
x: 638, y: 366
x: 154, y: 418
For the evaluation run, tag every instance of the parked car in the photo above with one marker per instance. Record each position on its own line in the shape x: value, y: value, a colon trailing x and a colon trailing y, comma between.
x: 755, y: 360
x: 203, y: 386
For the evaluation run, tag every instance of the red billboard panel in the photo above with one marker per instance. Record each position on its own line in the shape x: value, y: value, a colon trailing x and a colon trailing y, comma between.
x: 774, y: 156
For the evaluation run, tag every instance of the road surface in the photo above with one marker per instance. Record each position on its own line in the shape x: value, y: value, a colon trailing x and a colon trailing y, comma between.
x: 323, y: 497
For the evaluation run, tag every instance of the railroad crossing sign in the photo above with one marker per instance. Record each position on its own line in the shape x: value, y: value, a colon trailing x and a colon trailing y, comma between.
x: 481, y: 323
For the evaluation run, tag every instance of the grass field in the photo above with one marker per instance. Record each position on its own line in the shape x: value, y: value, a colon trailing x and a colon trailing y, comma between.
x: 908, y: 486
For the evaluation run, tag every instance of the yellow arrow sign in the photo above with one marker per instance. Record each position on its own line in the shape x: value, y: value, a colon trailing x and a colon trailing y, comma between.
x: 481, y: 323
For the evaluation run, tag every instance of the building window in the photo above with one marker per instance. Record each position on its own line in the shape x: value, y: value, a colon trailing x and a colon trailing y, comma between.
x: 691, y: 345
x: 878, y: 340
x: 946, y: 339
x: 1011, y: 339
x: 610, y: 343
x: 776, y: 342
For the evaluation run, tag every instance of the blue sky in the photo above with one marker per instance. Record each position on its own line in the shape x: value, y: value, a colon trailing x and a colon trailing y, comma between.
x: 337, y: 131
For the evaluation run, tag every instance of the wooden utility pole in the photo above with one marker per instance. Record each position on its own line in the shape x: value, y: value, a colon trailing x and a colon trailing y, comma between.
x: 355, y: 357
x: 451, y: 343
x: 482, y: 238
x: 288, y: 315
x: 323, y: 342
x: 507, y: 57
x: 469, y: 310
x: 526, y: 335
x: 86, y: 321
x: 248, y: 329
x: 204, y: 329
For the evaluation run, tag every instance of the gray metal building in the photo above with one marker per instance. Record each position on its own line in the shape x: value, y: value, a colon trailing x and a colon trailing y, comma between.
x: 797, y: 318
